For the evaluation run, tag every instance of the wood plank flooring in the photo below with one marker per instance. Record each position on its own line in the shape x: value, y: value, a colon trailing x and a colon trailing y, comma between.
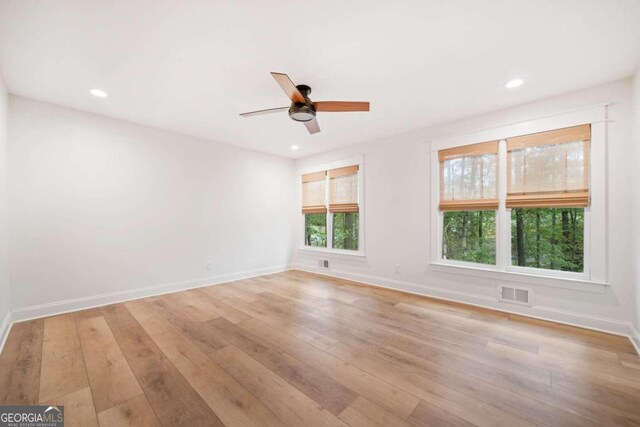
x: 301, y: 349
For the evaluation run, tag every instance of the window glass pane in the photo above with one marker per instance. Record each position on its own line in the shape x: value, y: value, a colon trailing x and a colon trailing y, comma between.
x: 315, y: 230
x: 551, y: 238
x: 345, y: 231
x: 469, y: 236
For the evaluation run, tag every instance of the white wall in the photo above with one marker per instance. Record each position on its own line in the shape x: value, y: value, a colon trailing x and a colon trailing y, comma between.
x: 636, y: 202
x: 101, y: 206
x: 4, y: 234
x: 397, y: 197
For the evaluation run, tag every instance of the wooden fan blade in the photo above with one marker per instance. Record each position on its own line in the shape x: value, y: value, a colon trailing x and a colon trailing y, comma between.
x: 312, y: 126
x: 267, y: 111
x: 340, y: 106
x: 289, y: 88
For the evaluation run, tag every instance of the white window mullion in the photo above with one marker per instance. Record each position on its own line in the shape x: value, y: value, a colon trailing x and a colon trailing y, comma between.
x: 329, y: 230
x: 503, y: 218
x: 329, y: 215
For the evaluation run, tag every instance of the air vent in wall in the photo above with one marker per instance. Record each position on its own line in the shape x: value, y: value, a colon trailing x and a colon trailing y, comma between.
x: 323, y: 263
x: 515, y: 295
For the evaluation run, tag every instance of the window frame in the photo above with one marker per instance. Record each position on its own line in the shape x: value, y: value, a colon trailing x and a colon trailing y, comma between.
x: 352, y: 161
x: 595, y: 216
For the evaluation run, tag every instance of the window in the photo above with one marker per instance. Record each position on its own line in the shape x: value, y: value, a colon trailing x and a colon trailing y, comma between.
x: 537, y: 222
x: 547, y: 191
x: 331, y: 208
x: 468, y: 200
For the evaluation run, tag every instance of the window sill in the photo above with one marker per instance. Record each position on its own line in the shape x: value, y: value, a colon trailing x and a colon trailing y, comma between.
x: 332, y: 252
x: 522, y: 278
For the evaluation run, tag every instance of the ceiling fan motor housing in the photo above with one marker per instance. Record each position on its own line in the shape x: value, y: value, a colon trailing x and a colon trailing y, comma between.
x: 302, y: 112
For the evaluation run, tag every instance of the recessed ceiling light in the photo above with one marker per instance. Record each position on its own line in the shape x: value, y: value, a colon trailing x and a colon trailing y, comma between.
x: 294, y: 147
x: 514, y: 83
x: 99, y: 93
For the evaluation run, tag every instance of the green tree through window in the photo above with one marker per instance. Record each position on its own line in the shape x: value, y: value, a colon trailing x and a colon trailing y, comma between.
x: 469, y: 236
x: 315, y: 230
x: 549, y: 238
x: 345, y: 231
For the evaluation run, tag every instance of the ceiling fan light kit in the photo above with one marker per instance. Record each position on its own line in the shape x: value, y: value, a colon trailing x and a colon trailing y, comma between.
x: 304, y: 110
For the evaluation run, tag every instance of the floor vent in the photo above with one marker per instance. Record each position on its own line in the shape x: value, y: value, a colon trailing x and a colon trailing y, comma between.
x: 323, y: 263
x: 515, y: 295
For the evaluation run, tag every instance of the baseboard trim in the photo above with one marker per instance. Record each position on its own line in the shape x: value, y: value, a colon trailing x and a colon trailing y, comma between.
x: 5, y: 328
x: 634, y: 336
x: 595, y: 323
x: 68, y: 306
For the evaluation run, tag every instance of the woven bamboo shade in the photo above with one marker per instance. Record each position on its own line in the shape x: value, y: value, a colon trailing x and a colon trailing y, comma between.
x: 468, y: 177
x: 314, y: 192
x: 343, y: 189
x: 549, y: 169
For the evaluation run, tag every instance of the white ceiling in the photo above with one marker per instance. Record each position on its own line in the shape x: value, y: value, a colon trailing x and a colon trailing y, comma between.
x: 193, y: 66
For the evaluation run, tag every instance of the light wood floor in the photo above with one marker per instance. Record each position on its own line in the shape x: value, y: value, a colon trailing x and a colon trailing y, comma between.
x: 304, y: 350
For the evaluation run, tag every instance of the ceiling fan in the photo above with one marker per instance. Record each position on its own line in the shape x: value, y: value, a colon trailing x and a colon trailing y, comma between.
x: 302, y: 109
